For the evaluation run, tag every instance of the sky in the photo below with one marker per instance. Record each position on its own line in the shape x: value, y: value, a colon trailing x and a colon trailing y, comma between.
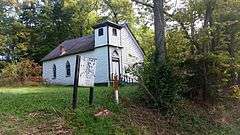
x: 148, y: 18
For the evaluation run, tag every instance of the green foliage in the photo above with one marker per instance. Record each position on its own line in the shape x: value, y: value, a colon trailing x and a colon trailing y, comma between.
x: 235, y: 91
x: 162, y: 87
x: 84, y: 15
x: 31, y: 29
x: 178, y: 47
x: 2, y: 65
x: 145, y: 36
x: 19, y: 72
x: 119, y: 10
x: 206, y: 54
x: 195, y: 78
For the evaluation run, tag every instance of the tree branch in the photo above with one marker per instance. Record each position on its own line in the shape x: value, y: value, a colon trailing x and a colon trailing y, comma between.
x: 184, y: 28
x: 142, y: 3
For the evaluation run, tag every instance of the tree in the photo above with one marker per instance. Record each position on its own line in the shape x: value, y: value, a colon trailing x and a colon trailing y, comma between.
x: 118, y: 11
x: 159, y: 28
x: 228, y: 31
x: 145, y: 36
x: 84, y: 15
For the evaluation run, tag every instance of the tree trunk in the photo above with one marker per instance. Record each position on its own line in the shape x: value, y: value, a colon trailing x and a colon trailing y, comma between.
x: 159, y: 26
x: 207, y: 23
x: 192, y: 28
x: 205, y: 87
x: 81, y: 30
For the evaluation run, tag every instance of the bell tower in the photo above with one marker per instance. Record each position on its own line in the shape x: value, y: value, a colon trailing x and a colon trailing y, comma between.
x: 107, y: 33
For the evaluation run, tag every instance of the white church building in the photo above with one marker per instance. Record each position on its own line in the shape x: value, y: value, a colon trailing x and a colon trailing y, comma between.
x: 114, y: 46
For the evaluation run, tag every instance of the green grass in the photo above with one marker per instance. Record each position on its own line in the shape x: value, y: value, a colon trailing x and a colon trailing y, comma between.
x: 48, y: 110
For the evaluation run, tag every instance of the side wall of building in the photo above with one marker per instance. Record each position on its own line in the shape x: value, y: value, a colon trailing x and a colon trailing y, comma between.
x: 61, y: 78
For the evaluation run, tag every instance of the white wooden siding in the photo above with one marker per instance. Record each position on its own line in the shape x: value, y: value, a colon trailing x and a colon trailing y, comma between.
x: 101, y: 69
x: 131, y: 52
x: 114, y: 40
x: 100, y: 40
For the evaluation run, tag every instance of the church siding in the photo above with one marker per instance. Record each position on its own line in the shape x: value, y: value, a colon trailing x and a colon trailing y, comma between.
x: 114, y: 40
x: 124, y: 43
x: 61, y: 78
x: 100, y: 40
x: 131, y: 52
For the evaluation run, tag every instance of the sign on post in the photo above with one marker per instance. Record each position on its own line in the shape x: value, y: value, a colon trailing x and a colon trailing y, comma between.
x: 85, y: 70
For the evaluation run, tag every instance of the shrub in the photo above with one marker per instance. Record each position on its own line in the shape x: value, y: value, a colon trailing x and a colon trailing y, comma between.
x: 2, y: 65
x: 160, y: 84
x: 20, y: 72
x: 216, y: 77
x: 235, y: 90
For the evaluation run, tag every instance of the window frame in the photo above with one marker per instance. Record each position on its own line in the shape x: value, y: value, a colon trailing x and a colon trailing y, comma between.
x: 68, y: 69
x: 100, y: 32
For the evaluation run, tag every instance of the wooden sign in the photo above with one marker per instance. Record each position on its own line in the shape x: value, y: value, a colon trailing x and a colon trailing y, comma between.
x: 87, y: 71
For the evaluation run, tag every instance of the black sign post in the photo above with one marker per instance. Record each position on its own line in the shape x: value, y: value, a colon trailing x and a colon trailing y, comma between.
x: 91, y: 95
x: 76, y: 83
x: 75, y: 86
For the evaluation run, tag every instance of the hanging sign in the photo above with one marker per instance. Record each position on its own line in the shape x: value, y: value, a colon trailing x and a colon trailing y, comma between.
x: 87, y: 71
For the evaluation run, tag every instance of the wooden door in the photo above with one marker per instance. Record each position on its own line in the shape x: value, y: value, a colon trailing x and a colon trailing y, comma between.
x: 115, y: 67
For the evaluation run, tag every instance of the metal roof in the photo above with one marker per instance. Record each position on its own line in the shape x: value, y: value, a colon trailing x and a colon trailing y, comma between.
x: 72, y: 46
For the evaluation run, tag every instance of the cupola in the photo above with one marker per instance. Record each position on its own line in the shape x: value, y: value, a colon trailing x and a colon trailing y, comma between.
x: 107, y: 33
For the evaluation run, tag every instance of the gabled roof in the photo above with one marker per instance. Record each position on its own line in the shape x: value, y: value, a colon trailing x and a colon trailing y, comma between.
x: 72, y: 46
x: 83, y: 44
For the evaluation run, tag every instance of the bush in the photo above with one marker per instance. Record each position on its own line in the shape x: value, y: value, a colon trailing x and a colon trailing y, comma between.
x: 194, y: 76
x: 20, y: 72
x: 235, y: 90
x: 160, y: 84
x: 2, y: 65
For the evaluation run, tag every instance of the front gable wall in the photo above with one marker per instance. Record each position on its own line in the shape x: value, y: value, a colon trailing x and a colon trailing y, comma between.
x: 132, y: 53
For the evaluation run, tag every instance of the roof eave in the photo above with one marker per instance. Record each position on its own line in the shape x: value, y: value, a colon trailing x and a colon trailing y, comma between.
x: 67, y: 54
x: 107, y: 23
